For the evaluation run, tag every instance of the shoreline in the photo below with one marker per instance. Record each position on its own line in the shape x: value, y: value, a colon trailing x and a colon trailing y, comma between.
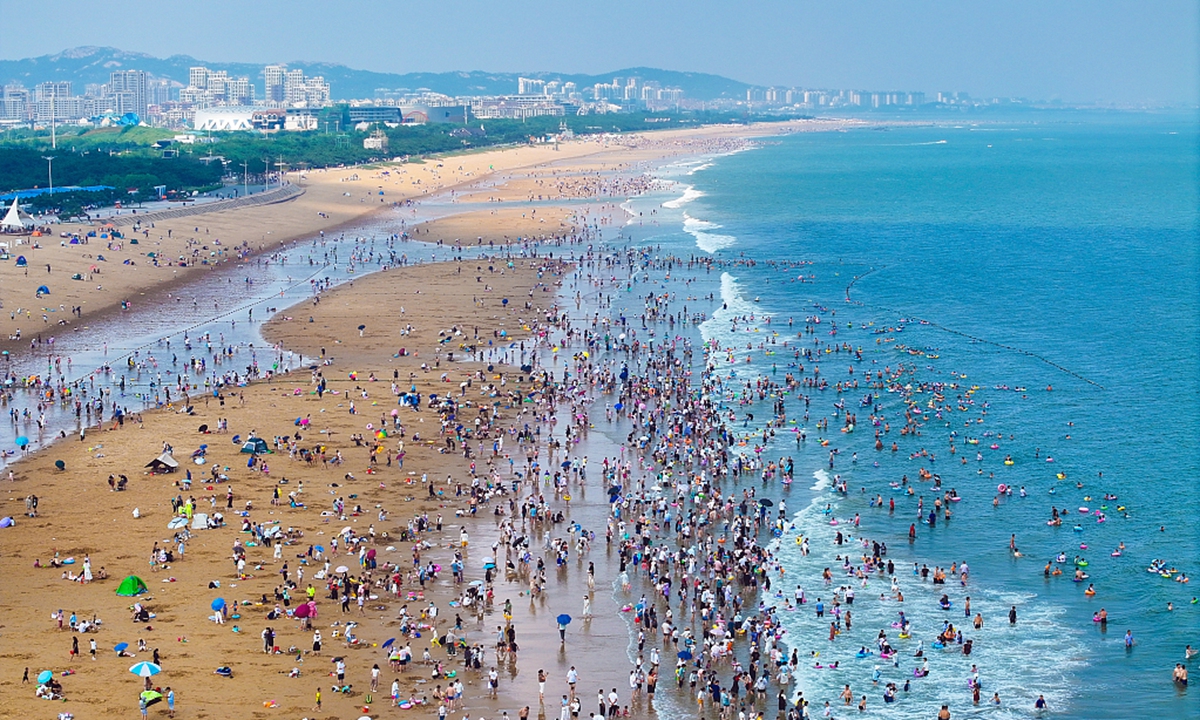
x: 543, y: 635
x: 322, y: 202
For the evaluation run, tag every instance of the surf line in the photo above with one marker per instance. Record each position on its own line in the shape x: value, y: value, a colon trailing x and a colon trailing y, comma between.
x: 970, y: 337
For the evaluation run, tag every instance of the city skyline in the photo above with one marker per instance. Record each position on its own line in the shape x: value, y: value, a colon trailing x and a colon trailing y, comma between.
x: 1075, y: 52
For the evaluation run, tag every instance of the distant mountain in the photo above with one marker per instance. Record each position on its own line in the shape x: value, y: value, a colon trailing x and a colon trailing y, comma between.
x: 85, y: 65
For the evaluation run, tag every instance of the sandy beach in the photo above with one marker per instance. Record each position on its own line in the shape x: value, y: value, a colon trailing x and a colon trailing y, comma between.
x: 420, y: 335
x: 333, y: 199
x: 80, y: 517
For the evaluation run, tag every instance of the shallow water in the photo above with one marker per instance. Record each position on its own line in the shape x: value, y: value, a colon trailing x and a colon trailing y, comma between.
x: 230, y: 305
x: 1061, y: 254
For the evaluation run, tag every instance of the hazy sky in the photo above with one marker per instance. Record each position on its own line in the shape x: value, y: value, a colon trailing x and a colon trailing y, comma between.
x: 1069, y: 49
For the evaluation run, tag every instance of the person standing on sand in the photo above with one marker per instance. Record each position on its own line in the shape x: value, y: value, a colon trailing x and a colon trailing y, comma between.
x: 170, y: 702
x: 315, y: 707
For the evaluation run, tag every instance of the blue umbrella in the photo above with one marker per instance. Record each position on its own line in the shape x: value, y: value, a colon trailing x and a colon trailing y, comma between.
x: 218, y: 603
x: 22, y: 441
x: 45, y: 676
x: 684, y: 655
x: 120, y: 647
x: 388, y: 643
x: 319, y: 548
x: 145, y: 669
x: 564, y: 619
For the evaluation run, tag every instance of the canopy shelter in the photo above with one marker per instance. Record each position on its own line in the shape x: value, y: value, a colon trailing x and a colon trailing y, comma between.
x: 163, y: 464
x: 16, y: 220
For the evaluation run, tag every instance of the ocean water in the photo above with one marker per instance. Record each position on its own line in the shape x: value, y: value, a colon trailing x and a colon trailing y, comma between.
x: 1050, y: 272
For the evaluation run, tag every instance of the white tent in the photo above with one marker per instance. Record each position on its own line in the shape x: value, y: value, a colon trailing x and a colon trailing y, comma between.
x: 15, y: 220
x: 163, y: 463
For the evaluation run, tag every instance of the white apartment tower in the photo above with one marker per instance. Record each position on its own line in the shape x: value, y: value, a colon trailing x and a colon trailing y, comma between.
x: 273, y: 83
x: 130, y: 88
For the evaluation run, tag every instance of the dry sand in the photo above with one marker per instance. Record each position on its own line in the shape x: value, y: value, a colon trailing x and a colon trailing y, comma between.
x: 80, y: 516
x: 499, y: 226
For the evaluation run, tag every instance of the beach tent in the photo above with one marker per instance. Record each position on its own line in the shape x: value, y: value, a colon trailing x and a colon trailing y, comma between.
x: 254, y: 445
x: 21, y: 261
x: 43, y: 290
x: 163, y: 464
x: 200, y: 521
x: 131, y: 586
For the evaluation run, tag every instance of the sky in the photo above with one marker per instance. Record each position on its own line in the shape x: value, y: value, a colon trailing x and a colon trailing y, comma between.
x: 1071, y: 50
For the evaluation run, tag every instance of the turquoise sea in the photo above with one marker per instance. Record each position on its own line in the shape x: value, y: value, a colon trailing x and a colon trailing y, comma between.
x: 1048, y: 270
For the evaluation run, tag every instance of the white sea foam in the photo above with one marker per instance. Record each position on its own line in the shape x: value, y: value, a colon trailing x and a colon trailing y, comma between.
x: 698, y: 168
x: 1012, y: 660
x: 690, y: 193
x: 707, y: 241
x: 717, y: 327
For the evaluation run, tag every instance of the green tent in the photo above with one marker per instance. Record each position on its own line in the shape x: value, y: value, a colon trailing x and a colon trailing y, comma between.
x: 131, y: 586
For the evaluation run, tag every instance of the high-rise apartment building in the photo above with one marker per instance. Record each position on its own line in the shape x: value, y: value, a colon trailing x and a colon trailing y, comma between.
x: 130, y: 86
x: 239, y: 91
x: 273, y: 83
x: 198, y: 78
x: 53, y: 89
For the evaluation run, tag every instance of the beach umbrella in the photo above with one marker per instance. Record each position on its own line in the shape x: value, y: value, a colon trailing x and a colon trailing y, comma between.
x: 120, y: 647
x: 145, y: 669
x: 684, y: 655
x: 22, y: 441
x: 563, y: 619
x: 489, y: 562
x: 177, y: 523
x: 766, y: 502
x: 319, y: 548
x: 362, y: 327
x: 45, y: 676
x: 341, y: 569
x: 302, y: 611
x: 218, y: 604
x: 388, y: 643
